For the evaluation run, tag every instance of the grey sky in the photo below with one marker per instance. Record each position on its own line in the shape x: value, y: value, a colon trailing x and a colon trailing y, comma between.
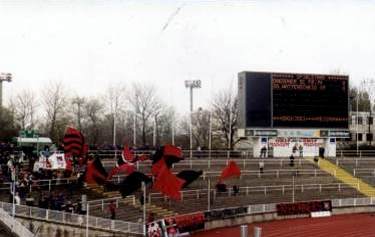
x: 91, y: 44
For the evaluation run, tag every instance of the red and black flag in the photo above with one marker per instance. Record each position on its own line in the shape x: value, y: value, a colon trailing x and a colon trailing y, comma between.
x: 126, y: 157
x: 168, y: 155
x: 95, y: 172
x: 189, y: 176
x: 73, y: 142
x: 126, y: 168
x: 172, y: 154
x: 231, y: 170
x: 133, y: 182
x: 168, y: 183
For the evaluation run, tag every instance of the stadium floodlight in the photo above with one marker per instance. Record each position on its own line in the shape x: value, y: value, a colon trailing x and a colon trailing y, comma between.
x: 191, y: 84
x: 4, y: 77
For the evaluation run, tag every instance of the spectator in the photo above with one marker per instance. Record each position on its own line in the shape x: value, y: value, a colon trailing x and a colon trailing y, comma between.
x: 151, y: 217
x: 300, y: 148
x: 261, y: 166
x: 294, y: 149
x: 79, y: 207
x: 172, y: 232
x: 69, y: 207
x: 235, y: 189
x: 112, y: 209
x: 221, y: 188
x: 291, y: 160
x: 29, y: 200
x: 263, y: 152
x: 17, y: 199
x: 142, y: 200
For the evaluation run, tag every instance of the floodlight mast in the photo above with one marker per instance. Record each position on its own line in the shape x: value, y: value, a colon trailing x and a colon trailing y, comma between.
x: 191, y: 84
x: 4, y: 77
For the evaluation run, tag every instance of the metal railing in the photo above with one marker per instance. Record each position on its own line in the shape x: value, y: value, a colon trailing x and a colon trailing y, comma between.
x: 353, y: 202
x: 43, y: 183
x: 196, y: 153
x: 14, y: 225
x: 336, y: 203
x: 73, y: 219
x: 252, y: 173
x: 355, y: 153
x: 207, y: 163
x: 222, y: 154
x: 246, y: 191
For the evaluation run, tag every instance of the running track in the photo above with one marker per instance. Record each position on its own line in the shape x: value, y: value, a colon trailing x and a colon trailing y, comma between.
x: 355, y: 225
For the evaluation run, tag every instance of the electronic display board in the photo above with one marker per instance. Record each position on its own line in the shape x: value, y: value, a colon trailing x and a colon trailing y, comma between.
x: 290, y: 100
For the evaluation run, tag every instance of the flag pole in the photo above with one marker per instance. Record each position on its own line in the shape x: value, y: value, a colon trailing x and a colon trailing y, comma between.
x: 209, y: 195
x: 144, y: 208
x: 210, y: 136
x: 87, y: 219
x: 210, y: 126
x: 114, y: 134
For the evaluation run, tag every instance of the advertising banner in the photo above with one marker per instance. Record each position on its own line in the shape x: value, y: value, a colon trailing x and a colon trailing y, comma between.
x: 225, y: 213
x: 285, y: 209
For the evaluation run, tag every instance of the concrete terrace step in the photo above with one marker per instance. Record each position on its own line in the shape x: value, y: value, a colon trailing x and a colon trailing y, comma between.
x: 346, y: 177
x: 160, y: 211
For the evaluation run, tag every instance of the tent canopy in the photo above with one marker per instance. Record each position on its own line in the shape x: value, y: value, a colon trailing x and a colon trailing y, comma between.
x: 40, y: 140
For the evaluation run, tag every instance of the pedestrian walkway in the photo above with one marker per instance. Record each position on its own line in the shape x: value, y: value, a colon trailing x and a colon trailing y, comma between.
x: 345, y: 177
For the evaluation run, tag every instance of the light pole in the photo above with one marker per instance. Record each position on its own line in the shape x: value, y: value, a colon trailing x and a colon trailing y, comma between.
x: 356, y: 122
x: 4, y: 77
x: 191, y: 84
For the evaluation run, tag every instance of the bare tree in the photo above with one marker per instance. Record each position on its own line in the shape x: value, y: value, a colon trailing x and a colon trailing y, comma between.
x: 8, y: 128
x: 115, y: 99
x: 164, y: 121
x: 54, y: 101
x: 93, y: 110
x: 201, y: 127
x: 146, y: 104
x: 368, y: 87
x: 225, y: 114
x: 25, y: 105
x: 362, y: 97
x: 78, y: 103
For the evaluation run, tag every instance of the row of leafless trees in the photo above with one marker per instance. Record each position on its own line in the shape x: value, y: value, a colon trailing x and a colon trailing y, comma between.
x: 134, y: 113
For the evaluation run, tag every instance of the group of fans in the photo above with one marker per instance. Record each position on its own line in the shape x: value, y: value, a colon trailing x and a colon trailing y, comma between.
x: 20, y: 176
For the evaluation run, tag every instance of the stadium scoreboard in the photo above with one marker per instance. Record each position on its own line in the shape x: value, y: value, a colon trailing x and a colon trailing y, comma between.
x: 290, y: 100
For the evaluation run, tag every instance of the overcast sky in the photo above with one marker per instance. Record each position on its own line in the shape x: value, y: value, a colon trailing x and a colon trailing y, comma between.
x: 91, y: 44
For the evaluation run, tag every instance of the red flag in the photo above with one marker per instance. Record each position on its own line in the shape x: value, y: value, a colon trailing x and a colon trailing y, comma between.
x: 126, y: 154
x: 168, y: 183
x: 156, y: 168
x: 230, y: 170
x: 93, y: 175
x: 170, y: 150
x: 126, y: 168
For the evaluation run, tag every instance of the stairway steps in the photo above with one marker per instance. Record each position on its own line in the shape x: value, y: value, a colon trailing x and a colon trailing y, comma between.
x: 345, y: 177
